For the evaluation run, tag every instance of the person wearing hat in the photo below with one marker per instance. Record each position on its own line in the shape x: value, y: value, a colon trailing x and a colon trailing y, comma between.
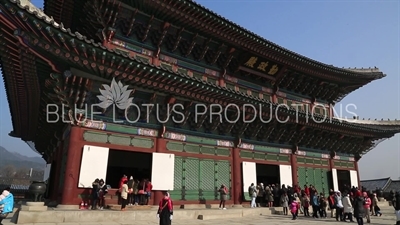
x: 165, y: 210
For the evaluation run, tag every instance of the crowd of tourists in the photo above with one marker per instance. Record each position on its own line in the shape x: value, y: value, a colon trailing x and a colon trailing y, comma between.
x: 131, y: 192
x: 352, y: 205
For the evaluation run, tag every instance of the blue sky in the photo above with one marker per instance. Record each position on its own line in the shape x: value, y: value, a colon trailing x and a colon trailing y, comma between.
x: 341, y: 33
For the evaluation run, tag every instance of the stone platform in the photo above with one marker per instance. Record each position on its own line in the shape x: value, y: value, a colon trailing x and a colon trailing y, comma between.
x: 96, y: 216
x: 188, y: 214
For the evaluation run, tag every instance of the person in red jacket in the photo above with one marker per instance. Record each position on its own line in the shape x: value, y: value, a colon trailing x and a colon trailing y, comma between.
x: 148, y: 189
x: 306, y: 190
x: 165, y: 210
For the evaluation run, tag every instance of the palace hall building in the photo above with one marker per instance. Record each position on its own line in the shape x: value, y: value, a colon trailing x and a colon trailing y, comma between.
x: 93, y: 86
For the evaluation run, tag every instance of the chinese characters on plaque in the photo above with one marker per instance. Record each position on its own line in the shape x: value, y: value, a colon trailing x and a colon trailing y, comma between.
x: 261, y: 65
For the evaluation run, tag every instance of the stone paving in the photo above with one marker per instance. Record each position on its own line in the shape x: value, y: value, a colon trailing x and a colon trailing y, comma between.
x: 388, y: 218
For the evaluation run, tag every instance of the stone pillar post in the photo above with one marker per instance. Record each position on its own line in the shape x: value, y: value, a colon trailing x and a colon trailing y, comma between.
x: 237, y: 177
x: 160, y: 148
x: 71, y: 176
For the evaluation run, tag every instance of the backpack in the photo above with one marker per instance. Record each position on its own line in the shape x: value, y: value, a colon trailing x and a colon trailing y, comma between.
x: 251, y: 190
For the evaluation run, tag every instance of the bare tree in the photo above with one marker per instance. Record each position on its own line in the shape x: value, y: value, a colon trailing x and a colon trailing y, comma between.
x: 22, y: 173
x: 8, y: 171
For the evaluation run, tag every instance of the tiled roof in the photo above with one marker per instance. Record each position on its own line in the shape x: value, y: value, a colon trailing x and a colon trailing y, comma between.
x: 15, y: 184
x: 372, y: 185
x: 394, y: 185
x: 15, y: 187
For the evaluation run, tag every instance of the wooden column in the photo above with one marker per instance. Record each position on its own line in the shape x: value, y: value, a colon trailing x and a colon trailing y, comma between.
x: 237, y: 177
x: 293, y: 161
x: 331, y: 164
x: 58, y: 160
x: 71, y: 176
x: 274, y: 98
x: 160, y: 148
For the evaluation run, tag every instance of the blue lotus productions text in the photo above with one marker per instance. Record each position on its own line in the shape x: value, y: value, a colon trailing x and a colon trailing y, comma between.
x: 178, y: 113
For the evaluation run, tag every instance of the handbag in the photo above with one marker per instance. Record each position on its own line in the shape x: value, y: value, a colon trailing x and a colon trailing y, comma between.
x: 142, y: 192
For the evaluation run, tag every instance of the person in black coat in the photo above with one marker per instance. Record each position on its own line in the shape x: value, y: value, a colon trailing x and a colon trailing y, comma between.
x: 95, y: 193
x: 359, y: 208
x: 397, y: 207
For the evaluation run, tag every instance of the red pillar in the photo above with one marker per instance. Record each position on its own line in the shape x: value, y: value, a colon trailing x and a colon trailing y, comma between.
x: 237, y: 177
x: 160, y: 148
x: 293, y: 161
x: 71, y: 175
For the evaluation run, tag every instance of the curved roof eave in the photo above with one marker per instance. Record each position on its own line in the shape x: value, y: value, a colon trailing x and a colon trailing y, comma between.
x: 258, y: 38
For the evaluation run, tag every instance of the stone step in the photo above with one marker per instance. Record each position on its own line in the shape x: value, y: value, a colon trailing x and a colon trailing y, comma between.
x: 232, y: 213
x: 118, y: 216
x: 130, y: 207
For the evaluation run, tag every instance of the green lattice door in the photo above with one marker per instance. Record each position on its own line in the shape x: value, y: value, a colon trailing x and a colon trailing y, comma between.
x: 310, y: 176
x: 302, y: 176
x: 325, y: 181
x: 223, y: 175
x: 196, y: 179
x: 315, y: 176
x: 207, y: 180
x: 318, y: 179
x: 177, y: 193
x: 191, y: 178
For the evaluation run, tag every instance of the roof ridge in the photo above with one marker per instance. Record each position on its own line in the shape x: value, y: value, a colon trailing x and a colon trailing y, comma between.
x: 387, y: 178
x: 381, y: 122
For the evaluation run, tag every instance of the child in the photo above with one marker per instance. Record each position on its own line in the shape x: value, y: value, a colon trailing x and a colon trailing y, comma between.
x: 324, y: 205
x: 294, y: 206
x: 306, y: 205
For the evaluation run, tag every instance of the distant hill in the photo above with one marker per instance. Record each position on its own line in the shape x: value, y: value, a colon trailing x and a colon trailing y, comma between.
x: 20, y: 161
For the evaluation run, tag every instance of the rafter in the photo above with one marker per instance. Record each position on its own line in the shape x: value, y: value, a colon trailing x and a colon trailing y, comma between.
x: 146, y: 32
x: 178, y: 39
x: 164, y: 32
x: 205, y: 49
x: 132, y: 23
x: 229, y: 58
x: 217, y: 54
x: 192, y: 44
x: 153, y: 101
x: 187, y: 112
